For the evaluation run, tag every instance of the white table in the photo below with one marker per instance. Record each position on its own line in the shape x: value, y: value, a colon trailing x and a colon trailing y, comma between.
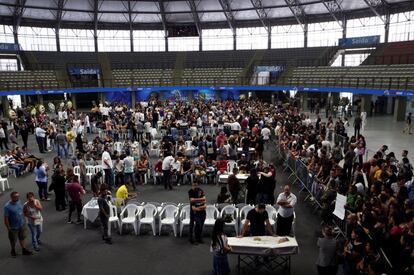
x: 276, y: 255
x: 241, y: 177
x: 90, y: 211
x: 251, y: 150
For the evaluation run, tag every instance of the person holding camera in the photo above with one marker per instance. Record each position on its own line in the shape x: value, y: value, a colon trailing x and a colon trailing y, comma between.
x: 104, y: 212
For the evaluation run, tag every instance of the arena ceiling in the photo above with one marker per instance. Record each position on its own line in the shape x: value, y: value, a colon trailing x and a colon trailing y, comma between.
x: 160, y: 14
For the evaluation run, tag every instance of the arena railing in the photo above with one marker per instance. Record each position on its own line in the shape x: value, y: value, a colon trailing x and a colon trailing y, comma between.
x: 307, y: 182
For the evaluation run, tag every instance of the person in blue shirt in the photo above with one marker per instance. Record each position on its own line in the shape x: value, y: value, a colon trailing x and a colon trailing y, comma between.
x: 41, y: 172
x: 15, y: 223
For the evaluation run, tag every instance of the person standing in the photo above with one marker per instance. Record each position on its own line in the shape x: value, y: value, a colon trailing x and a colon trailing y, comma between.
x: 407, y: 127
x: 104, y: 212
x: 15, y: 224
x: 107, y: 167
x: 258, y: 218
x: 75, y: 192
x: 3, y: 139
x: 328, y: 246
x: 129, y: 169
x: 32, y: 210
x: 41, y: 172
x: 285, y: 213
x: 220, y: 248
x: 197, y: 212
x: 166, y: 171
x: 24, y: 132
x: 62, y: 145
x: 234, y: 185
x: 357, y: 125
x: 58, y: 186
x: 40, y: 134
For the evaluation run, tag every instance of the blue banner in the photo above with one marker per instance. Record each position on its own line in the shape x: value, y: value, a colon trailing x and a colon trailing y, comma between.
x: 204, y: 94
x: 82, y: 71
x: 119, y: 97
x: 176, y: 95
x: 364, y: 40
x: 9, y: 47
x: 147, y: 92
x: 230, y: 95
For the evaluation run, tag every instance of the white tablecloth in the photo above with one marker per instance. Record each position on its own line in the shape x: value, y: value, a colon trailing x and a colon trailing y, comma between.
x: 90, y: 210
x: 241, y: 177
x: 251, y: 150
x: 267, y: 245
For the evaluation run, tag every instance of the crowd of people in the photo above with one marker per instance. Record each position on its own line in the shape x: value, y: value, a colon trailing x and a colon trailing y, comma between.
x: 195, y: 143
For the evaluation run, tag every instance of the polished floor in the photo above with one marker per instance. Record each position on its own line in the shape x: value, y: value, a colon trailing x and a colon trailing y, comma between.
x: 69, y: 249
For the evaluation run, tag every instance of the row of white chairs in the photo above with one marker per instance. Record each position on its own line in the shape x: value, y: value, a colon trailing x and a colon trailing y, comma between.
x: 173, y: 215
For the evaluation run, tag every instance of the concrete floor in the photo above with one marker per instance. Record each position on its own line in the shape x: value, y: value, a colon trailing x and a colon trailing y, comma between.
x: 69, y: 249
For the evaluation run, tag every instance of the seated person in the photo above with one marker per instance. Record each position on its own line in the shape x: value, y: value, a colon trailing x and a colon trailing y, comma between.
x: 122, y: 194
x: 200, y: 166
x: 141, y: 168
x: 158, y: 172
x: 13, y: 163
x: 210, y: 171
x: 243, y: 164
x: 224, y: 196
x: 186, y: 169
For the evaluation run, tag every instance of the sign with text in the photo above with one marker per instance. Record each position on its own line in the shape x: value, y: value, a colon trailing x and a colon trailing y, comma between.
x: 83, y: 71
x: 9, y: 47
x: 364, y: 40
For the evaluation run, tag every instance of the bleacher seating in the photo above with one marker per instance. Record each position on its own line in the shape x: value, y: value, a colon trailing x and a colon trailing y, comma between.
x: 21, y: 80
x: 211, y: 76
x: 393, y: 53
x: 142, y: 77
x: 399, y: 77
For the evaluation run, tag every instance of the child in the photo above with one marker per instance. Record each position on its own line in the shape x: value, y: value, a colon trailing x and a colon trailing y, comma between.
x: 220, y: 248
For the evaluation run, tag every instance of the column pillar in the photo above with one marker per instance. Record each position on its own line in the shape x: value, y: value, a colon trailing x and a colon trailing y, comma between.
x: 366, y: 104
x: 73, y: 99
x: 5, y: 106
x: 303, y: 96
x: 400, y: 106
x: 40, y: 99
x: 133, y: 99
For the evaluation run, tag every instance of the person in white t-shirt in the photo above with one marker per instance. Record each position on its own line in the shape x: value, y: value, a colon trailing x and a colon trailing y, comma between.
x: 107, y: 167
x: 167, y: 164
x: 285, y: 213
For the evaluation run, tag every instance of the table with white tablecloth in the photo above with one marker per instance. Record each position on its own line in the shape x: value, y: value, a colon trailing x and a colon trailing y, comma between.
x: 251, y: 150
x: 241, y: 177
x: 263, y: 252
x: 90, y: 211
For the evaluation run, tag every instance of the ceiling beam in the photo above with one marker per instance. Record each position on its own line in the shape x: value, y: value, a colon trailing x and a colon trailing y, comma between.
x: 335, y: 10
x: 163, y: 17
x: 378, y: 7
x: 19, y: 9
x: 262, y: 13
x: 297, y: 11
x: 194, y: 13
x: 59, y: 13
x: 225, y: 5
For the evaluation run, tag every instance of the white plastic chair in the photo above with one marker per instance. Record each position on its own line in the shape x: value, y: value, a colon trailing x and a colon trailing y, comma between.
x: 132, y: 212
x: 90, y: 171
x: 147, y: 216
x: 212, y: 214
x: 118, y: 146
x: 113, y: 218
x: 4, y: 182
x: 243, y: 214
x: 169, y: 217
x: 76, y: 171
x: 184, y: 218
x: 231, y: 165
x: 233, y: 211
x: 272, y: 213
x: 99, y: 168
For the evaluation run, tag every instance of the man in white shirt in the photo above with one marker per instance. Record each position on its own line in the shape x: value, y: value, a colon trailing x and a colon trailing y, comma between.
x: 40, y: 134
x: 107, y: 167
x: 285, y: 213
x: 166, y: 171
x: 235, y: 127
x: 266, y: 134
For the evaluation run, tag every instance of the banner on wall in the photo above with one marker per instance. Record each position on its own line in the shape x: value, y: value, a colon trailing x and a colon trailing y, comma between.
x: 230, y: 95
x: 9, y: 47
x: 84, y: 71
x: 204, y: 94
x: 176, y: 95
x: 119, y: 97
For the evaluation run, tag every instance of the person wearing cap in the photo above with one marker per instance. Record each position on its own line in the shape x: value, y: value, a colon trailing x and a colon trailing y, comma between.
x: 258, y: 219
x: 285, y: 213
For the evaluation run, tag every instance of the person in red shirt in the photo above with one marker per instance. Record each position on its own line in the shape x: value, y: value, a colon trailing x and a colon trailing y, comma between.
x: 75, y: 192
x: 158, y: 171
x: 220, y: 139
x: 221, y: 167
